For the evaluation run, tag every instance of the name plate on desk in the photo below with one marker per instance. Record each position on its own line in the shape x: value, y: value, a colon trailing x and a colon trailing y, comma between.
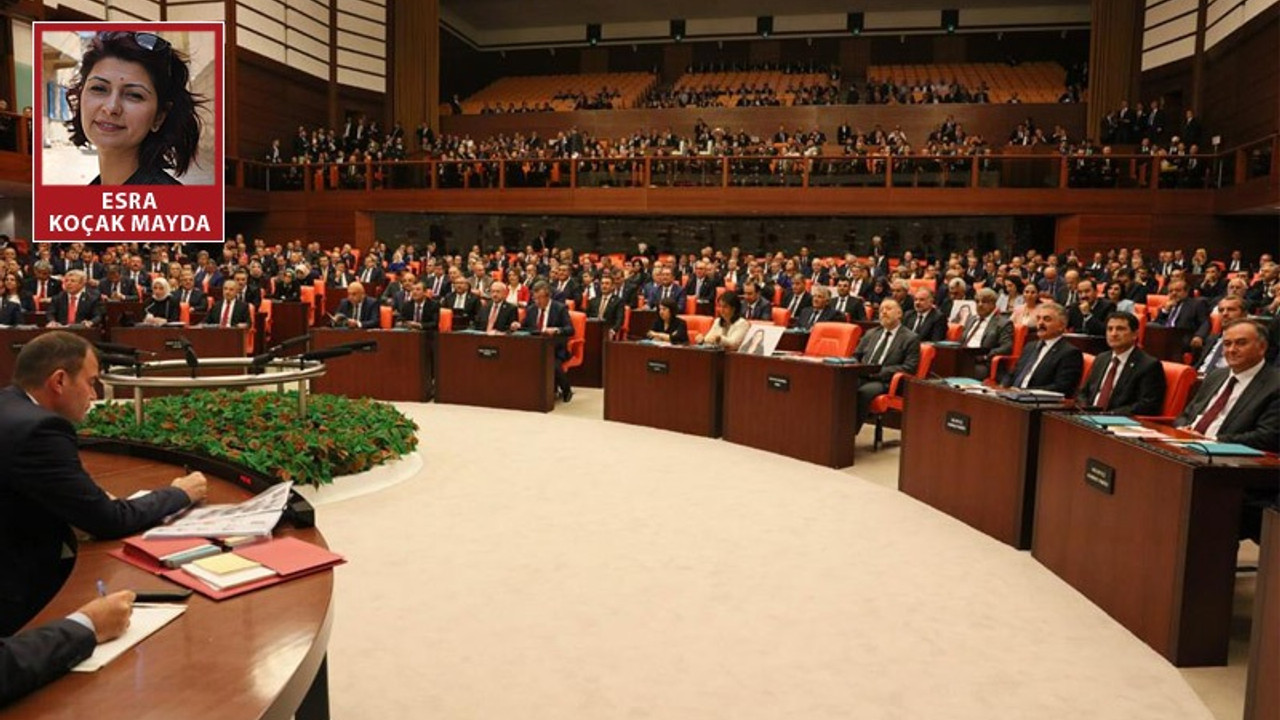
x: 16, y: 347
x: 1100, y: 476
x: 487, y: 353
x: 781, y: 383
x: 659, y: 367
x: 174, y: 344
x: 957, y: 423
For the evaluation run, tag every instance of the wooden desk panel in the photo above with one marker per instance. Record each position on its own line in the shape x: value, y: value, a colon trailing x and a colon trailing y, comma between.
x: 641, y: 323
x: 591, y: 372
x: 12, y: 339
x: 1159, y: 553
x: 254, y: 656
x: 398, y: 370
x: 1262, y: 698
x: 955, y: 361
x: 813, y: 419
x: 681, y: 391
x: 1165, y: 343
x: 514, y: 372
x: 207, y: 341
x: 288, y: 320
x: 986, y: 479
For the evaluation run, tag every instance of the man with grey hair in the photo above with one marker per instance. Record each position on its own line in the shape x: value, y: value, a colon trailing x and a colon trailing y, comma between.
x: 988, y: 330
x: 75, y: 305
x: 1048, y: 362
x: 892, y: 346
x: 496, y: 315
x: 819, y: 311
x: 40, y: 285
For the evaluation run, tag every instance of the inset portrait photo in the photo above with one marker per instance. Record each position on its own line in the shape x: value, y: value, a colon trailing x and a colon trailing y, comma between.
x: 128, y: 138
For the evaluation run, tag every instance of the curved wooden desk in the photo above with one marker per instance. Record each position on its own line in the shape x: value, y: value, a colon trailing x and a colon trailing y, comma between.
x: 260, y: 655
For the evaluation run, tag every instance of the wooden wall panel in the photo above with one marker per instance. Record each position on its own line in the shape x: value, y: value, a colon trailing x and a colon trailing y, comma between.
x: 1115, y: 57
x: 273, y: 100
x: 415, y: 62
x: 1242, y: 88
x: 994, y: 122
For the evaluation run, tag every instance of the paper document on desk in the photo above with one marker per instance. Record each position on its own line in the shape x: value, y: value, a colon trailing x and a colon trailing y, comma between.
x: 256, y: 516
x: 146, y: 619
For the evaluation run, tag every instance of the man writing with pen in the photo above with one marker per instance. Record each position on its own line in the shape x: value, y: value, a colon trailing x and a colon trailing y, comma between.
x: 44, y: 493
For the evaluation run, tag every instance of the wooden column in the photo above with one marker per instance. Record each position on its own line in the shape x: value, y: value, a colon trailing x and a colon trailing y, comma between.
x: 1115, y: 58
x: 1197, y: 63
x: 231, y: 79
x: 415, y: 62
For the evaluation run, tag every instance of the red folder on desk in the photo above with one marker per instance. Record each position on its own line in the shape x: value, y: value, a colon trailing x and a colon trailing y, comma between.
x: 149, y: 554
x: 290, y: 557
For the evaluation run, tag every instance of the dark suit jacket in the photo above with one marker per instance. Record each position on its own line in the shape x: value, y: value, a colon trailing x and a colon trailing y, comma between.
x: 1194, y: 313
x: 367, y: 313
x: 614, y: 311
x: 44, y: 491
x: 376, y: 276
x: 126, y: 289
x: 11, y: 313
x: 239, y: 313
x: 1095, y: 323
x: 430, y: 313
x: 997, y: 338
x: 88, y: 308
x: 437, y: 285
x: 678, y: 330
x: 41, y: 655
x: 810, y: 316
x: 470, y: 306
x: 54, y: 287
x: 291, y: 292
x: 197, y: 299
x: 855, y: 309
x: 507, y: 314
x: 1139, y: 391
x: 558, y: 318
x: 708, y: 293
x: 806, y: 300
x: 1060, y: 370
x: 1255, y: 418
x: 932, y: 329
x: 654, y: 295
x: 572, y: 291
x: 761, y: 309
x: 903, y: 354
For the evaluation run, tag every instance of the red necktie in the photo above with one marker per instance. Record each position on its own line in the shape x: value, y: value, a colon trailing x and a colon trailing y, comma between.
x: 1108, y: 384
x: 1216, y: 409
x: 226, y: 314
x: 493, y: 316
x: 539, y: 320
x: 72, y: 303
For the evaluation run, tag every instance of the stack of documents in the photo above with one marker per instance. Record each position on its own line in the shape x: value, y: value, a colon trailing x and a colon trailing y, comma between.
x: 256, y: 516
x: 228, y: 570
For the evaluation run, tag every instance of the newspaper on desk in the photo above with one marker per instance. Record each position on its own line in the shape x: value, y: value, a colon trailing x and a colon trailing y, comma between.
x: 256, y: 516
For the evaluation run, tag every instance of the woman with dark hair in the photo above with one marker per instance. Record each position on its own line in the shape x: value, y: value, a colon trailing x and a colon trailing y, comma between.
x: 130, y: 101
x: 730, y: 327
x: 879, y: 290
x: 13, y: 293
x: 668, y: 326
x: 1010, y: 293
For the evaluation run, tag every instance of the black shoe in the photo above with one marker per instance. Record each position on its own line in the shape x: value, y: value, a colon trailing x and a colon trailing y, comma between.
x: 567, y: 395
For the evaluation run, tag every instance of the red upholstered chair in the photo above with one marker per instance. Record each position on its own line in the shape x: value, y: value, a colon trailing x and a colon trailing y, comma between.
x: 833, y: 339
x: 777, y: 294
x: 1215, y: 324
x: 578, y: 343
x: 917, y: 283
x: 1154, y: 303
x: 626, y: 322
x: 446, y: 320
x: 385, y: 317
x: 1178, y: 381
x: 894, y: 399
x: 690, y: 305
x: 1009, y: 361
x: 1141, y: 312
x: 1088, y: 367
x: 955, y: 331
x: 698, y: 325
x: 264, y: 307
x: 781, y: 317
x: 184, y: 313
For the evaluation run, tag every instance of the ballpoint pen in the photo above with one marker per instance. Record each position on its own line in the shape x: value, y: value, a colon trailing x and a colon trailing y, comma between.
x: 102, y: 589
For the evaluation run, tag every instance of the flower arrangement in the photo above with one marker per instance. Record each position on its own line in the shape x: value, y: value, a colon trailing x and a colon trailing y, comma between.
x: 262, y: 431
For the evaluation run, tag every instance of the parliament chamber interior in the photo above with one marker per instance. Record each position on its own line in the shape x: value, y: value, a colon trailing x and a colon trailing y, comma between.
x: 904, y: 359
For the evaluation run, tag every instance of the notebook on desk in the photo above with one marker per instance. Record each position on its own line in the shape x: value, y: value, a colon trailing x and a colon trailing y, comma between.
x: 145, y: 621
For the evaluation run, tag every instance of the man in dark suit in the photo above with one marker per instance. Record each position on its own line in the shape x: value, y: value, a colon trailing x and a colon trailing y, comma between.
x: 664, y: 288
x: 1209, y: 344
x: 397, y: 291
x: 437, y: 281
x: 819, y: 311
x: 40, y: 655
x: 701, y: 286
x: 464, y: 304
x: 230, y: 311
x: 371, y: 274
x: 547, y: 317
x: 989, y: 330
x: 1241, y: 402
x: 607, y: 306
x: 849, y: 306
x: 114, y: 288
x: 1049, y: 362
x: 44, y: 491
x: 496, y: 314
x: 420, y: 311
x: 1182, y: 311
x: 358, y: 310
x: 1212, y: 287
x: 11, y: 313
x: 796, y: 298
x: 1124, y: 379
x: 41, y: 285
x: 754, y: 306
x: 190, y: 294
x: 1089, y: 314
x: 892, y: 346
x: 341, y: 277
x: 75, y: 305
x: 924, y: 320
x: 565, y: 288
